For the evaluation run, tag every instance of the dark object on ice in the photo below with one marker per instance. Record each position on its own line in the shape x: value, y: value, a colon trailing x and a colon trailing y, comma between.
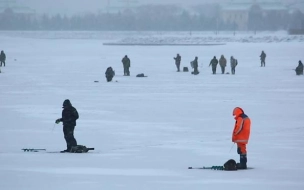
x: 32, y: 149
x: 141, y: 75
x: 230, y: 165
x: 185, y: 69
x: 299, y: 69
x: 110, y: 73
x: 78, y: 149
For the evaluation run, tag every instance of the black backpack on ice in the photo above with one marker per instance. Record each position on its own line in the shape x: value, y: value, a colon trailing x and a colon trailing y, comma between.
x: 230, y: 165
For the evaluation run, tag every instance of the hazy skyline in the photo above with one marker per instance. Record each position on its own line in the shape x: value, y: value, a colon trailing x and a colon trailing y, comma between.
x: 81, y: 6
x: 70, y: 7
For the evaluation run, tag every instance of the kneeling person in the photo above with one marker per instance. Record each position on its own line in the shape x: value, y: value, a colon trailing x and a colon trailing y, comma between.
x: 110, y: 73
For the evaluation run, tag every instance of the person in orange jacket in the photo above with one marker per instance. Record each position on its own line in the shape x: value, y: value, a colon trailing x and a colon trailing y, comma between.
x: 240, y: 135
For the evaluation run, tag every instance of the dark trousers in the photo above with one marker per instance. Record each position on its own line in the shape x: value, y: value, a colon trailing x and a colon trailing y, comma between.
x: 195, y: 72
x: 1, y: 63
x: 242, y: 151
x: 299, y: 72
x: 214, y: 70
x: 263, y: 63
x: 68, y: 132
x: 126, y: 71
x: 223, y: 69
x: 233, y: 70
x: 177, y: 66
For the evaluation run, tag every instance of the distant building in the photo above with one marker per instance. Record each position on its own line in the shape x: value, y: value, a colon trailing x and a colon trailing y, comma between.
x: 9, y: 8
x: 245, y: 13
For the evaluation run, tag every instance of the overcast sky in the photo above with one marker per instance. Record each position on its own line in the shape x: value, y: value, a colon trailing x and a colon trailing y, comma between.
x: 80, y: 6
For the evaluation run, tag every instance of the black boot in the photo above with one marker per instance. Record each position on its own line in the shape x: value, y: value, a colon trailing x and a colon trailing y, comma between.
x: 243, y: 162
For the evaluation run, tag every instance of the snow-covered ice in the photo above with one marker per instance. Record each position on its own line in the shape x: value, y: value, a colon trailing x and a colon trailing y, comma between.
x: 147, y: 131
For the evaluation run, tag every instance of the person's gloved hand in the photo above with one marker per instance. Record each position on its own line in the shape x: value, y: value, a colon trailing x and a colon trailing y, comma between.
x: 57, y: 121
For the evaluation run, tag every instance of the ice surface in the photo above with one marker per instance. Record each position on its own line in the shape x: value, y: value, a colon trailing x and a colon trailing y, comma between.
x: 147, y: 131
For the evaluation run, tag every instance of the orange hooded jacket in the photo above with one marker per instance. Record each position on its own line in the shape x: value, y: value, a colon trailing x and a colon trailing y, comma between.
x: 241, y: 131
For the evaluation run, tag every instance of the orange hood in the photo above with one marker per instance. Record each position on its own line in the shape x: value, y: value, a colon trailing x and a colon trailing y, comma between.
x: 237, y: 111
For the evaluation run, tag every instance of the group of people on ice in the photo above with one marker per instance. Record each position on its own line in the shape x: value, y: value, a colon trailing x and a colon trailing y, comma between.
x: 213, y: 63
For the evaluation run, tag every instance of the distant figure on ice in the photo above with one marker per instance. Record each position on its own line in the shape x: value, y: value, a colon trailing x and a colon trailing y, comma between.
x: 214, y: 63
x: 263, y: 57
x: 299, y: 69
x: 2, y: 58
x: 126, y: 65
x: 177, y: 59
x: 194, y: 65
x: 240, y: 135
x: 223, y: 63
x: 110, y: 73
x: 233, y: 64
x: 69, y: 117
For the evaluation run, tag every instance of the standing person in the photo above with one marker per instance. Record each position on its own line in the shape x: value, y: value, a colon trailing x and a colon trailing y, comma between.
x: 214, y: 63
x: 194, y: 65
x: 2, y: 58
x: 69, y: 117
x: 177, y: 59
x: 223, y: 63
x: 299, y: 69
x: 126, y: 64
x: 263, y: 57
x: 233, y: 64
x: 240, y: 135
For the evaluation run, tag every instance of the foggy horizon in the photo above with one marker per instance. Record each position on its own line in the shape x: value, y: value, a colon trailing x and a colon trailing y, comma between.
x: 71, y: 7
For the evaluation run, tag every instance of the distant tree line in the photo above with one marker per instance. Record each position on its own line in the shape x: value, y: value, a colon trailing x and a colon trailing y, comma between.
x: 144, y: 18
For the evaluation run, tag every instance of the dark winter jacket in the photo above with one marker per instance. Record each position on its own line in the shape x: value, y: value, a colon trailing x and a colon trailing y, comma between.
x: 213, y: 62
x: 69, y: 114
x: 126, y: 62
x: 233, y: 62
x: 195, y: 63
x: 2, y: 56
x: 263, y: 56
x: 109, y: 72
x: 223, y: 61
x: 299, y: 69
x: 177, y: 59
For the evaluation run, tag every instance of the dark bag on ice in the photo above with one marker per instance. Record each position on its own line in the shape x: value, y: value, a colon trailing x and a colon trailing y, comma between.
x: 230, y: 165
x: 141, y: 75
x: 79, y: 149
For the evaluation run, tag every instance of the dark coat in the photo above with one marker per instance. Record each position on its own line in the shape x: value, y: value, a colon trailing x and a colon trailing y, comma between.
x: 195, y: 63
x: 126, y: 62
x: 263, y: 55
x: 213, y: 62
x: 223, y: 61
x: 178, y: 59
x: 69, y: 114
x: 2, y: 56
x: 299, y: 69
x: 109, y: 72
